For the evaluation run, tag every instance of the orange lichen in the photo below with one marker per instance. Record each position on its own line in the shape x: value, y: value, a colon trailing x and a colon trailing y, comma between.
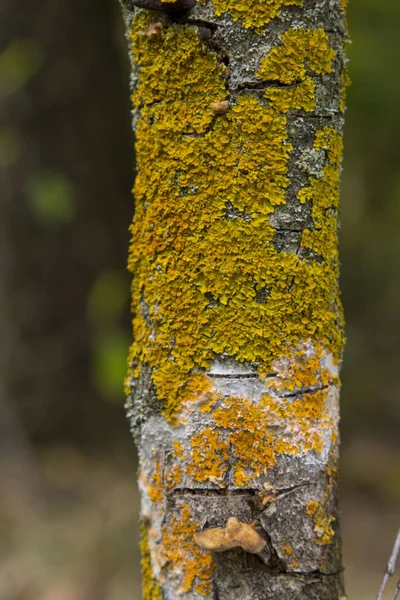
x: 178, y: 449
x: 173, y: 477
x: 197, y: 386
x: 210, y: 453
x: 180, y: 552
x: 289, y: 556
x: 244, y: 437
x: 302, y: 370
x: 155, y: 489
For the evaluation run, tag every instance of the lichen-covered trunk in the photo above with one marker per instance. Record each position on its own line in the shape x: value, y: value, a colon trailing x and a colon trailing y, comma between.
x: 238, y: 328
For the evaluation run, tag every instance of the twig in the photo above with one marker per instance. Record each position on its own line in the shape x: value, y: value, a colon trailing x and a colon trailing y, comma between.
x: 390, y: 569
x: 396, y: 591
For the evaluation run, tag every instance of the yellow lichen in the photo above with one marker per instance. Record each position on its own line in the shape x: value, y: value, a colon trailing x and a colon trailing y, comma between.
x: 301, y: 50
x: 346, y: 81
x: 203, y: 248
x: 253, y: 14
x: 289, y: 556
x: 323, y: 529
x: 178, y: 449
x: 299, y: 96
x: 312, y: 507
x: 197, y: 271
x: 180, y: 553
x: 324, y: 195
x: 151, y: 588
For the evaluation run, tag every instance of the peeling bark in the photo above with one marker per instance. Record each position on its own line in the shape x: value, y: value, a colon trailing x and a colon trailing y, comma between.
x: 238, y: 331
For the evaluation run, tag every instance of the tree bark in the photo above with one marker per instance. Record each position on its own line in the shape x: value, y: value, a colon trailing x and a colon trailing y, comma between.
x: 238, y: 327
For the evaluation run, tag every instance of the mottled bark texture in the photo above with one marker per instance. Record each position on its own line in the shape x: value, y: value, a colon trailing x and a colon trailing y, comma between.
x: 238, y: 329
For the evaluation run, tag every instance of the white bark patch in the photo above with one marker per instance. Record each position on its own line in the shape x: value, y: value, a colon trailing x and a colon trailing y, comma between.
x: 200, y: 452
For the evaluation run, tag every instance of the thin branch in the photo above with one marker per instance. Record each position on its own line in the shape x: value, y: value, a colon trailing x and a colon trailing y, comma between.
x: 390, y: 569
x: 396, y: 591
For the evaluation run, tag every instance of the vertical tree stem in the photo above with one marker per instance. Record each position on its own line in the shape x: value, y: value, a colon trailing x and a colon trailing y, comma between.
x: 238, y: 328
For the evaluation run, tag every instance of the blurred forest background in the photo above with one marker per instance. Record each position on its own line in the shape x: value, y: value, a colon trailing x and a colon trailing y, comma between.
x: 68, y: 498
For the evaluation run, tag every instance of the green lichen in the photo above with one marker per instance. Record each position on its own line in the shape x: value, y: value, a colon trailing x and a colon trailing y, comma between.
x: 301, y: 51
x: 197, y: 270
x: 253, y: 14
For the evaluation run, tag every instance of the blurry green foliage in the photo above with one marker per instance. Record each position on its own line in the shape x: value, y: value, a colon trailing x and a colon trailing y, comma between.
x: 108, y: 296
x: 11, y: 146
x: 106, y: 304
x: 374, y: 29
x: 370, y: 241
x: 109, y: 363
x: 18, y: 63
x: 51, y: 197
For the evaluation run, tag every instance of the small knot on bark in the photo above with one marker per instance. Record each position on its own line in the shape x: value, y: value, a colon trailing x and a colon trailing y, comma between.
x: 220, y: 108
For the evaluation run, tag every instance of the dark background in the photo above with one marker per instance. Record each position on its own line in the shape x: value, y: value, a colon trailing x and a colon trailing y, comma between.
x: 68, y: 498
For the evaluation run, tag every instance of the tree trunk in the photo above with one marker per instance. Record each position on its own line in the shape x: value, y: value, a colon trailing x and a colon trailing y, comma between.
x: 238, y: 328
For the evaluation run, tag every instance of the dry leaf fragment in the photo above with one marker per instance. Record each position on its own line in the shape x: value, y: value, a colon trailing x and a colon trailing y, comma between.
x: 235, y: 534
x: 265, y: 496
x: 218, y: 481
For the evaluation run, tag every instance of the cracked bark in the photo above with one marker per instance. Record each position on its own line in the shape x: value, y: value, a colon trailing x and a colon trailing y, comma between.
x: 259, y: 447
